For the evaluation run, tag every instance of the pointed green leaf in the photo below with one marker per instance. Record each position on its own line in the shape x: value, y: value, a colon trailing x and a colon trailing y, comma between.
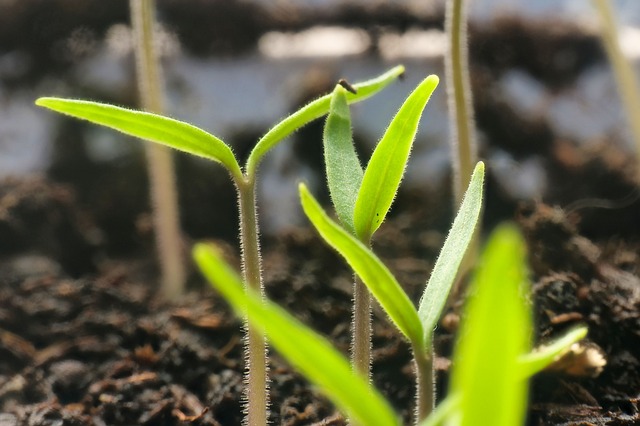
x: 377, y: 277
x: 495, y: 331
x: 344, y: 172
x: 444, y: 272
x: 312, y: 111
x: 543, y: 356
x: 306, y: 350
x: 152, y: 127
x: 388, y: 161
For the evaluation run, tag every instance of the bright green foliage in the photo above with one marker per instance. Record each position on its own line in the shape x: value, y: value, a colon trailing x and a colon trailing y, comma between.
x: 383, y: 285
x: 545, y: 355
x: 315, y: 109
x: 344, y: 172
x: 446, y: 409
x: 446, y: 268
x: 490, y: 370
x: 385, y: 169
x: 310, y: 353
x: 145, y: 125
x: 496, y: 330
x: 370, y: 269
x: 188, y: 138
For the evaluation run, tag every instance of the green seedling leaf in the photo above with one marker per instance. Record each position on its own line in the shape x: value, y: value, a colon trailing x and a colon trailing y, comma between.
x: 495, y: 332
x: 545, y: 355
x: 444, y: 272
x: 368, y: 267
x: 388, y: 161
x: 306, y: 350
x: 312, y: 111
x: 442, y: 412
x: 152, y: 127
x: 344, y: 172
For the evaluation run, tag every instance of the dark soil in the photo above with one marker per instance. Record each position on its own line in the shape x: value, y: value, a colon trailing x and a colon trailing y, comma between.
x: 85, y: 338
x: 96, y: 345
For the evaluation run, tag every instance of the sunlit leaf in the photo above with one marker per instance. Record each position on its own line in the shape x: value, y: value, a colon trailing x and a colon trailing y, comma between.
x: 387, y: 164
x: 377, y: 277
x: 152, y: 127
x: 312, y: 111
x: 444, y: 272
x: 307, y: 351
x: 344, y: 172
x: 495, y: 331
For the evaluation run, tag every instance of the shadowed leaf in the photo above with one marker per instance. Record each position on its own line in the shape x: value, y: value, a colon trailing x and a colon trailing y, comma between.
x: 446, y: 268
x: 344, y: 172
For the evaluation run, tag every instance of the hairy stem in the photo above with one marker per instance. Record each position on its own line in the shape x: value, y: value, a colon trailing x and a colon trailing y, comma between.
x: 425, y: 385
x: 256, y: 374
x: 622, y: 69
x: 160, y: 168
x: 361, y: 329
x: 464, y: 149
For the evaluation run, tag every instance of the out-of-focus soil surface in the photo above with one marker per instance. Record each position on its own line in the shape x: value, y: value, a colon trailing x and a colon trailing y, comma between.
x: 85, y: 338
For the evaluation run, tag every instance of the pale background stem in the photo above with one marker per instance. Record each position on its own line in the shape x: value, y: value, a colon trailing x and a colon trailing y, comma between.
x: 622, y: 69
x: 256, y: 374
x: 464, y: 150
x: 463, y: 138
x: 164, y: 198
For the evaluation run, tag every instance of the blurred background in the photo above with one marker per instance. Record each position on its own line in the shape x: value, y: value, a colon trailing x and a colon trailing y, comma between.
x: 234, y: 68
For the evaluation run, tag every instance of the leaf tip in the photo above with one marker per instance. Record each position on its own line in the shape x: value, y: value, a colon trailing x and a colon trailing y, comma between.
x: 201, y: 251
x: 433, y: 79
x: 302, y: 188
x: 42, y: 102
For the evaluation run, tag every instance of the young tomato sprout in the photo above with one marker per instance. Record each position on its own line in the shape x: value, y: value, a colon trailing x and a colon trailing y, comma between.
x: 193, y: 140
x: 363, y: 198
x: 484, y: 377
x: 416, y: 325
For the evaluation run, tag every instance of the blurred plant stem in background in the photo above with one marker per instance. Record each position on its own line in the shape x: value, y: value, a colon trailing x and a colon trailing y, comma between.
x: 623, y: 71
x: 160, y: 166
x: 460, y: 100
x: 464, y: 149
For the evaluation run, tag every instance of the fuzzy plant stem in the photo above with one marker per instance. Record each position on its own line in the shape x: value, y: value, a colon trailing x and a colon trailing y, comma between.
x: 361, y: 329
x: 622, y: 69
x: 160, y: 167
x: 464, y: 150
x: 256, y: 375
x: 425, y: 385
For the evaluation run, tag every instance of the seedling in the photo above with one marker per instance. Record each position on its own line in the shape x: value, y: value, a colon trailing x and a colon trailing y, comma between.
x: 363, y: 198
x: 498, y: 310
x: 159, y: 159
x: 193, y: 140
x: 416, y: 325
